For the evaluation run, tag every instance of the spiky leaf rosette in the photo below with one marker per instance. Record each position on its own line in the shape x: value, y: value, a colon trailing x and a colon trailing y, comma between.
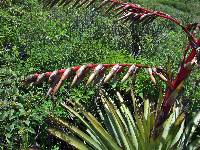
x: 98, y: 75
x: 118, y: 128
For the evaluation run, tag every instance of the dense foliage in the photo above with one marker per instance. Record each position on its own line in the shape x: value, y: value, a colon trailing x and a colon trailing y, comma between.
x: 34, y: 39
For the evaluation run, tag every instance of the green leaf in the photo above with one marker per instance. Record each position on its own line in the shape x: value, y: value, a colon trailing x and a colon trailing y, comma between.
x: 195, y: 144
x: 78, y: 132
x: 131, y: 123
x: 69, y: 139
x: 119, y: 124
x: 146, y: 109
x: 110, y: 142
x: 95, y: 127
x: 190, y: 128
x: 174, y: 129
x: 167, y: 124
x: 31, y: 130
x: 178, y: 134
x: 27, y: 122
x: 110, y: 124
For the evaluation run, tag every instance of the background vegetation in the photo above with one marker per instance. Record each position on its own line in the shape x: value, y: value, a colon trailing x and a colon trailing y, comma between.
x: 33, y: 39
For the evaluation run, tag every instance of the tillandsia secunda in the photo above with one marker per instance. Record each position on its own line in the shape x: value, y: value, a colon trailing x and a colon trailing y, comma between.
x: 133, y: 13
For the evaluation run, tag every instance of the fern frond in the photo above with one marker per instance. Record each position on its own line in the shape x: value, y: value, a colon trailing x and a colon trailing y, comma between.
x: 77, y: 74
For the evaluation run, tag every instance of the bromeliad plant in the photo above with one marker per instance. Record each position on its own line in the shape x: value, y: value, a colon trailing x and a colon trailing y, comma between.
x: 119, y: 128
x: 136, y: 14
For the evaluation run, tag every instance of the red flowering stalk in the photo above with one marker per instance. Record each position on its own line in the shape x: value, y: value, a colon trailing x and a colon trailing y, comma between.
x: 184, y: 72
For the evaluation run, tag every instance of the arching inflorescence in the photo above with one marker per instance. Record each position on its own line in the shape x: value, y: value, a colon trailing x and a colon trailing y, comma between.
x: 98, y: 71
